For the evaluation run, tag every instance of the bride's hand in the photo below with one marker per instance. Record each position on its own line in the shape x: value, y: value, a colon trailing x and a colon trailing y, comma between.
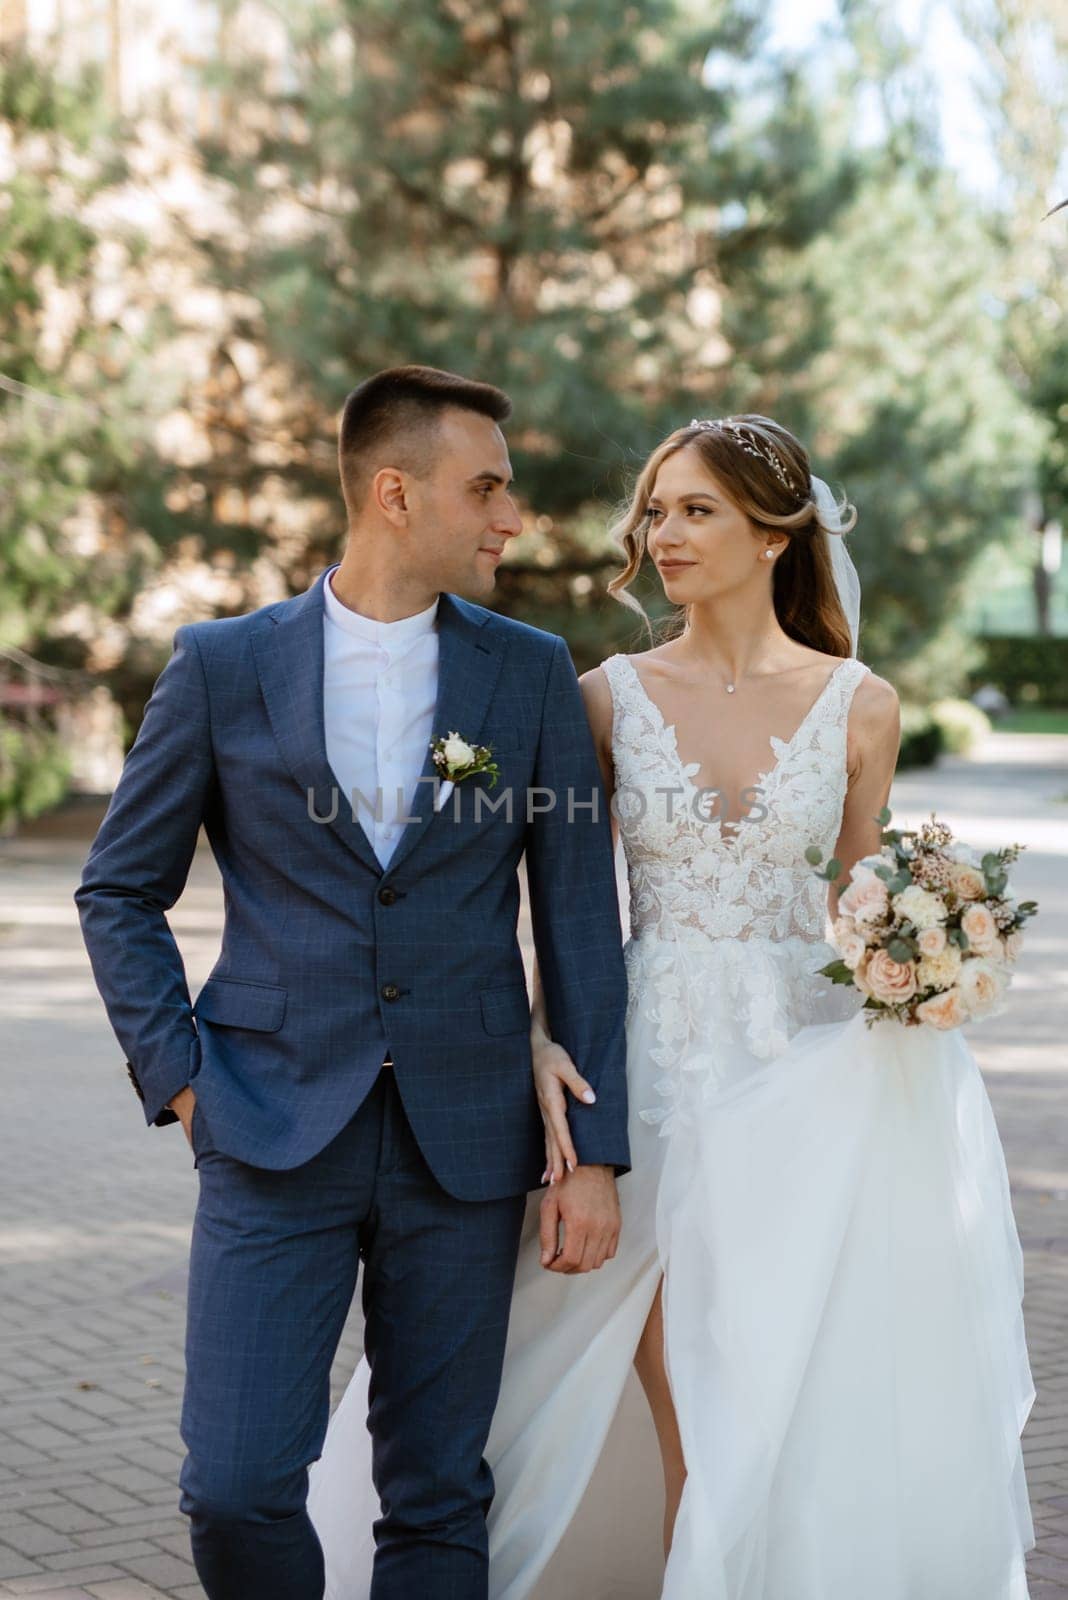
x: 554, y: 1074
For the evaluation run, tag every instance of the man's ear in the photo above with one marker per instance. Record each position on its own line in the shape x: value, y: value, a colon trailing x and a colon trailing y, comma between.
x: 389, y: 492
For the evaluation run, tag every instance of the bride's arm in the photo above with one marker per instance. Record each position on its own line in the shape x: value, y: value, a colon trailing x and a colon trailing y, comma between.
x: 554, y: 1070
x: 874, y: 737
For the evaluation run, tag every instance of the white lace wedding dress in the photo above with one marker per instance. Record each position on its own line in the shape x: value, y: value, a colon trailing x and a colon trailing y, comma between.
x: 842, y: 1275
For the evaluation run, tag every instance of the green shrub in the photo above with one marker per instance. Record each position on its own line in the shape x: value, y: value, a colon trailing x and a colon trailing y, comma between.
x: 922, y: 739
x: 34, y: 773
x: 962, y: 724
x: 1032, y: 671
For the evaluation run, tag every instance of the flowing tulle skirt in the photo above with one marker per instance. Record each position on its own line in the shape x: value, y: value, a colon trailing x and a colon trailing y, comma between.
x: 829, y: 1208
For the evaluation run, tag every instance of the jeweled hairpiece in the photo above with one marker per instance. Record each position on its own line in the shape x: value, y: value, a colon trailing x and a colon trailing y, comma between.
x: 751, y: 443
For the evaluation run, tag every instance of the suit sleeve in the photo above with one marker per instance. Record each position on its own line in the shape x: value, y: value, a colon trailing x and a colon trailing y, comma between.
x: 136, y: 870
x: 575, y: 913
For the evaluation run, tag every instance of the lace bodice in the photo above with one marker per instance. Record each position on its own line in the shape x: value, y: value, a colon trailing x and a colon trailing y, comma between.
x: 687, y: 872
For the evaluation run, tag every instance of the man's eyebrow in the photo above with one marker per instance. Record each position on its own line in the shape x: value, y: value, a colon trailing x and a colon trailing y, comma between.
x: 491, y: 477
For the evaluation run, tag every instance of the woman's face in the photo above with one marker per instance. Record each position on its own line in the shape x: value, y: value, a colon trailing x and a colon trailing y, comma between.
x: 702, y: 544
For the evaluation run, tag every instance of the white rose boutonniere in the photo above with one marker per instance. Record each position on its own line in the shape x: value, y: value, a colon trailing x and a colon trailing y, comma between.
x: 456, y: 759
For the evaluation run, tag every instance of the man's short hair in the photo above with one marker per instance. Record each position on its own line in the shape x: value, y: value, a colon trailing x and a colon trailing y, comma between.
x: 393, y: 419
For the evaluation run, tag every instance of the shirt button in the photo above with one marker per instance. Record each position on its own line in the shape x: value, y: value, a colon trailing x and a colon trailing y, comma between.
x: 390, y: 992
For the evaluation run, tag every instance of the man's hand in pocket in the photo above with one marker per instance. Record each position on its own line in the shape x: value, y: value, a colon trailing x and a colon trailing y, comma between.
x: 182, y: 1105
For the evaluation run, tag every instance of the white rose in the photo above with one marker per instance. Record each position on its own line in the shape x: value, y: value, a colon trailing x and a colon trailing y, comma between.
x: 458, y: 753
x: 939, y: 971
x: 932, y: 941
x: 850, y: 944
x: 981, y: 985
x: 881, y: 858
x: 920, y: 907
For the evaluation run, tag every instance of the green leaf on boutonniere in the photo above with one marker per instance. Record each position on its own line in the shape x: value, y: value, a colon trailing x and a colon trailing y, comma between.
x: 456, y: 759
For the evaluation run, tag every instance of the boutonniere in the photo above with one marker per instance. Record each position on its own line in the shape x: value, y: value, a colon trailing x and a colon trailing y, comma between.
x: 456, y: 760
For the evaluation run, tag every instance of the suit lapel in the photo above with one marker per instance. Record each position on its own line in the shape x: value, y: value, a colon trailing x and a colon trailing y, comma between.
x: 289, y: 661
x: 469, y: 663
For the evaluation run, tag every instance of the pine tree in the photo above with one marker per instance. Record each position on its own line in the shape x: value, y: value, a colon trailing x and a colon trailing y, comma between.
x: 70, y: 414
x: 1024, y: 50
x: 529, y: 193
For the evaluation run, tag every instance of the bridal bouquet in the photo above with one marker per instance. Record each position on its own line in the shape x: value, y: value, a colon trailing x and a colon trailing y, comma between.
x: 927, y: 930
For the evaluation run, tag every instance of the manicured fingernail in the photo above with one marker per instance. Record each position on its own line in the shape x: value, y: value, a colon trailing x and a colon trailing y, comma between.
x: 589, y: 1097
x: 570, y: 1168
x: 545, y: 1175
x: 552, y: 1180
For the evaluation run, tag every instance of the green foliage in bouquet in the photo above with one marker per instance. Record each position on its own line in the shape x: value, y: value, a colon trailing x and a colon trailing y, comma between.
x: 930, y: 884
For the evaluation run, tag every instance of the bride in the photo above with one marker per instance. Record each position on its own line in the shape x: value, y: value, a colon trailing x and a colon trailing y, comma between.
x: 818, y: 1280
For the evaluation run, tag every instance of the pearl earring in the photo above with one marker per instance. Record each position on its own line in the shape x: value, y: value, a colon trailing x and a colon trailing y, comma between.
x: 769, y: 555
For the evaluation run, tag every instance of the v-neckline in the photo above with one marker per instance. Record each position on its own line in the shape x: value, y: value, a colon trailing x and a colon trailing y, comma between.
x: 728, y: 831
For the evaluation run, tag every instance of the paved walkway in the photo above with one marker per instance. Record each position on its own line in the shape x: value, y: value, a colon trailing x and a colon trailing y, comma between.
x: 96, y: 1211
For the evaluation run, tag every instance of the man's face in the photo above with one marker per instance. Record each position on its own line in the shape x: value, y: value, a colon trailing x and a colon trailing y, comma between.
x: 461, y: 515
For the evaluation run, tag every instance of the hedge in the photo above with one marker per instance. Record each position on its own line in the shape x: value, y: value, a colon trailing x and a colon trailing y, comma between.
x: 1031, y: 671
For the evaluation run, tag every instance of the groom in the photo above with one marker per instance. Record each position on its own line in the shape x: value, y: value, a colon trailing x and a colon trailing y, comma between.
x: 354, y: 1077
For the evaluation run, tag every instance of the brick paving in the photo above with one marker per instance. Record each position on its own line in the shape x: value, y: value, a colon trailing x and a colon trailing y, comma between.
x: 96, y: 1211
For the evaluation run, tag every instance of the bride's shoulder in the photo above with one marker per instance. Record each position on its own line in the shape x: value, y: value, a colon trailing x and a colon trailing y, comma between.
x: 875, y: 715
x: 597, y: 698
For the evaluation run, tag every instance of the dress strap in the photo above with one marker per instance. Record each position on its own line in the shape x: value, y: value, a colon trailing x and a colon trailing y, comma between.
x: 847, y: 680
x: 617, y: 670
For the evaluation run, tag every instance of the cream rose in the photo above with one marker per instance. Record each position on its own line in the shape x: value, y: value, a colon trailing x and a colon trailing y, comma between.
x: 982, y: 930
x: 458, y: 753
x: 1011, y: 945
x: 920, y: 907
x: 967, y: 880
x: 866, y: 901
x: 850, y: 944
x: 942, y: 1011
x: 981, y: 986
x: 890, y: 981
x: 939, y: 971
x: 932, y: 941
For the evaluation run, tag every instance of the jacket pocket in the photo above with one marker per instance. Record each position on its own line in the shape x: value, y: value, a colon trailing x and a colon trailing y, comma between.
x: 237, y: 1004
x: 505, y: 1010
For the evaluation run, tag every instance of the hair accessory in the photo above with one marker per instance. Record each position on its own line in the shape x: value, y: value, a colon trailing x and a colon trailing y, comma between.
x: 751, y: 443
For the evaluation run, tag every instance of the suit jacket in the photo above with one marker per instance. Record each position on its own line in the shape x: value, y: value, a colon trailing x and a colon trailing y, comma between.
x: 327, y: 960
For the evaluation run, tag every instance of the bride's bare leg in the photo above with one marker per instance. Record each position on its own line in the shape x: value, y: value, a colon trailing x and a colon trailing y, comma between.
x: 649, y: 1365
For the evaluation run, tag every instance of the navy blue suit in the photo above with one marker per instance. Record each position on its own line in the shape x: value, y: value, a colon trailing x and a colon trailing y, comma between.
x: 311, y: 1154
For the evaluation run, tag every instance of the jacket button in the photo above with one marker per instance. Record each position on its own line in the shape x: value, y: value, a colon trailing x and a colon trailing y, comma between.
x: 387, y: 895
x: 390, y: 992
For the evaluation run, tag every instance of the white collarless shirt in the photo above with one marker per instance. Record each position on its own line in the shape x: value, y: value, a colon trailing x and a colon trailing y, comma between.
x: 380, y: 688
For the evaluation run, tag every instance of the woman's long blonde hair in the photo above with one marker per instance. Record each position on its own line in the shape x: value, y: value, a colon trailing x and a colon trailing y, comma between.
x: 765, y: 471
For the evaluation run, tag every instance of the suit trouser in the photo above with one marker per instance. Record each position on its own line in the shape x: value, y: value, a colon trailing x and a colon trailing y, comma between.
x: 273, y: 1271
